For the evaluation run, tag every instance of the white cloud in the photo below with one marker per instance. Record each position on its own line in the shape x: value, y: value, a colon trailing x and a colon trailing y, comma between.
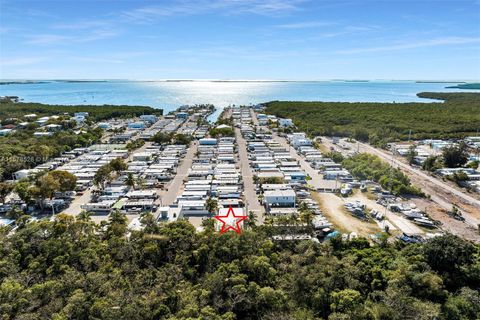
x: 84, y: 24
x: 96, y: 35
x: 5, y: 29
x: 98, y: 60
x: 193, y: 7
x: 20, y: 61
x: 115, y: 57
x: 348, y: 30
x: 47, y: 39
x: 265, y: 7
x: 305, y: 25
x: 414, y: 44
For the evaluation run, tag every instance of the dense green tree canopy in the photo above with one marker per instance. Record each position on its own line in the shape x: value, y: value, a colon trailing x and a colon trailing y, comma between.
x: 96, y: 113
x: 181, y: 138
x: 455, y: 156
x: 22, y: 150
x: 118, y: 165
x: 162, y: 138
x: 66, y: 180
x: 365, y: 166
x: 222, y: 132
x: 134, y: 144
x: 5, y: 189
x: 74, y: 269
x: 380, y: 123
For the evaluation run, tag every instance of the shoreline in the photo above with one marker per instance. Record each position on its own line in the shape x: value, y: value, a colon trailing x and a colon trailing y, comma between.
x: 40, y: 81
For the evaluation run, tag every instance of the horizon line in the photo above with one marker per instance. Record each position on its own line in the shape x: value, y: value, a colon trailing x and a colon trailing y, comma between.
x: 236, y: 80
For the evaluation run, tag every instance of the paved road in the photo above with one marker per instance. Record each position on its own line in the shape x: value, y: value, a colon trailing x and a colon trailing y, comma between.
x: 167, y: 197
x: 175, y: 186
x: 253, y: 115
x: 141, y: 149
x: 251, y: 196
x: 74, y: 208
x: 317, y: 180
x: 426, y: 181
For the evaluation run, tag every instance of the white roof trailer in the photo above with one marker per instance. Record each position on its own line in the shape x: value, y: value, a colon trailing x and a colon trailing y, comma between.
x: 198, y: 182
x: 199, y: 187
x: 104, y: 206
x: 202, y: 194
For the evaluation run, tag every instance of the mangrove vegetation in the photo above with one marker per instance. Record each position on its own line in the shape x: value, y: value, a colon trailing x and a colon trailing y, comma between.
x: 378, y: 123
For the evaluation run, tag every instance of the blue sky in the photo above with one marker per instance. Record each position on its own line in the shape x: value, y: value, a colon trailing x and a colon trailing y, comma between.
x: 239, y: 39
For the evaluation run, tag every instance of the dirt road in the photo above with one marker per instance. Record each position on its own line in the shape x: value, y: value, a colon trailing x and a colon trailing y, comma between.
x: 333, y: 208
x: 400, y: 222
x: 441, y: 193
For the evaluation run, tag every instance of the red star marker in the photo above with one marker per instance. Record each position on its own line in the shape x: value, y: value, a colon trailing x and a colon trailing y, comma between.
x: 231, y: 221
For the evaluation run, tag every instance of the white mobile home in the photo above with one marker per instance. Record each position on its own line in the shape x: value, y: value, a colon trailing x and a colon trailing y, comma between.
x: 279, y: 198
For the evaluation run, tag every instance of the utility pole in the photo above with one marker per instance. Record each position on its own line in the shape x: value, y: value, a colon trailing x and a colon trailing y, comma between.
x: 391, y: 170
x: 246, y: 206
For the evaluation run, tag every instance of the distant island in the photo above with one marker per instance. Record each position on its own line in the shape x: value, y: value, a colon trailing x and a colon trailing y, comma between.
x: 3, y: 83
x: 438, y: 81
x: 472, y: 86
x: 81, y: 81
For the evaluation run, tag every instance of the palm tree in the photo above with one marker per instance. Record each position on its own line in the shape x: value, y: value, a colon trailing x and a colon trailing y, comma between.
x: 268, y: 221
x: 5, y: 189
x: 211, y: 205
x: 292, y: 220
x: 102, y: 176
x: 117, y: 224
x: 307, y: 217
x: 302, y: 207
x: 284, y: 223
x: 84, y: 216
x: 208, y: 224
x: 130, y: 180
x: 15, y: 213
x: 140, y: 182
x: 252, y: 219
x: 261, y: 197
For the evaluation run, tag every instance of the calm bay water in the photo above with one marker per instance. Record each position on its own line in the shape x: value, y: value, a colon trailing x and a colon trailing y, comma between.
x: 170, y: 95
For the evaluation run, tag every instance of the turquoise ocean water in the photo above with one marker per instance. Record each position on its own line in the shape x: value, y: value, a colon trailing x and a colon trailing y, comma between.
x: 172, y: 94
